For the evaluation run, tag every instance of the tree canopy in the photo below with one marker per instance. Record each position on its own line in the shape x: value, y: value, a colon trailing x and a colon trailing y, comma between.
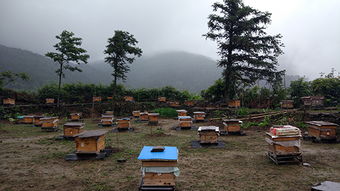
x: 247, y: 53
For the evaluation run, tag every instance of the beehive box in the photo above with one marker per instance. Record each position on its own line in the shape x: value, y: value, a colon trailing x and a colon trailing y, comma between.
x: 322, y: 130
x: 173, y: 103
x: 232, y: 125
x: 108, y: 113
x: 49, y: 100
x: 182, y: 112
x: 144, y: 116
x: 107, y: 120
x: 208, y: 134
x: 49, y: 123
x: 153, y: 118
x: 123, y: 123
x: 189, y: 103
x: 313, y: 101
x: 287, y: 104
x: 37, y: 122
x: 28, y: 119
x: 284, y: 140
x: 162, y: 99
x: 96, y: 99
x: 109, y: 98
x: 128, y: 98
x: 185, y: 122
x: 90, y: 142
x: 8, y: 101
x: 72, y: 128
x: 75, y: 116
x: 159, y: 167
x: 234, y: 103
x: 199, y: 116
x: 136, y: 114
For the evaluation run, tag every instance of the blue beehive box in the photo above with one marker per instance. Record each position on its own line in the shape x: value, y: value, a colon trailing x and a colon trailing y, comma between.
x: 169, y: 153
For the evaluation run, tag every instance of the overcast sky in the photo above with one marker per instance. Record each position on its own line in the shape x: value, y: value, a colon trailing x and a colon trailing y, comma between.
x: 310, y: 28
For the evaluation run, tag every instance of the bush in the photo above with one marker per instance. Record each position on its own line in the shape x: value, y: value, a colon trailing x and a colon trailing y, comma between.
x: 166, y: 112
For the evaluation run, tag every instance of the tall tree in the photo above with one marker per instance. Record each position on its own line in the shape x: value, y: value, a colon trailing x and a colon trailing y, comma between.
x: 121, y: 51
x: 247, y: 53
x: 68, y: 54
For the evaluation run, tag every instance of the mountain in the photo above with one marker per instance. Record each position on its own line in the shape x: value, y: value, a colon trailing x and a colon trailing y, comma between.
x: 181, y: 70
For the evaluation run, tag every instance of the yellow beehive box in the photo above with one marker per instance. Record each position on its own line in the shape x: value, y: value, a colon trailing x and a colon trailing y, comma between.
x: 72, y: 128
x: 90, y: 142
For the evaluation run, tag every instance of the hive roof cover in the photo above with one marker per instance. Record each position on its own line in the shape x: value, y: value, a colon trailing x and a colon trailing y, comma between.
x: 321, y: 123
x: 184, y: 117
x: 169, y: 153
x: 208, y: 128
x: 92, y: 133
x: 74, y: 124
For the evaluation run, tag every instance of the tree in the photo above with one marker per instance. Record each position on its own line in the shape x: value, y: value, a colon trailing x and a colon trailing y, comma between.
x: 8, y: 77
x: 68, y: 53
x: 247, y: 53
x: 298, y: 89
x: 328, y: 87
x: 121, y: 51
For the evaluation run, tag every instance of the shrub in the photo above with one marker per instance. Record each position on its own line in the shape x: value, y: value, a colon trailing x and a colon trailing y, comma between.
x: 166, y: 112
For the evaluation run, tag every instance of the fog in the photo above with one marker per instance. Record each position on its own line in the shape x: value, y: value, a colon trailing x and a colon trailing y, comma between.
x: 310, y: 28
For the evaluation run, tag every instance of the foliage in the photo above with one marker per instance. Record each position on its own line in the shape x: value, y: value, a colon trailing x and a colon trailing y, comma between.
x: 265, y: 122
x: 242, y: 111
x: 121, y: 51
x: 68, y: 51
x: 247, y: 52
x: 166, y: 112
x: 298, y: 89
x: 328, y: 87
x: 214, y: 92
x: 8, y: 77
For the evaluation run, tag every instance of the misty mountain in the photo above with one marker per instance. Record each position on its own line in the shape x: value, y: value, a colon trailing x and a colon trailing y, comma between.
x: 181, y: 70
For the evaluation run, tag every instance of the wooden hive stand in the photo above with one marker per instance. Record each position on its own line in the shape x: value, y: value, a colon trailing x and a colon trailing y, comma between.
x: 287, y: 104
x: 284, y: 144
x: 162, y: 99
x: 136, y: 114
x: 159, y: 168
x: 232, y: 126
x: 90, y: 145
x: 71, y: 129
x: 144, y: 116
x: 8, y: 101
x: 49, y: 124
x: 208, y: 134
x: 181, y: 112
x: 49, y: 100
x: 153, y: 118
x: 234, y: 103
x: 199, y: 116
x: 123, y: 124
x: 106, y: 120
x: 185, y: 122
x: 320, y: 131
x: 75, y: 116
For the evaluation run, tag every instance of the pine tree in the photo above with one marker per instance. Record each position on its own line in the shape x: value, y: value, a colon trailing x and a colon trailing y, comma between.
x: 68, y: 53
x: 247, y: 53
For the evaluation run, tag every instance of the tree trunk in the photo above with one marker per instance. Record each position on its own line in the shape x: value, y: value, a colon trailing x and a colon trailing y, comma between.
x: 114, y: 92
x: 59, y: 85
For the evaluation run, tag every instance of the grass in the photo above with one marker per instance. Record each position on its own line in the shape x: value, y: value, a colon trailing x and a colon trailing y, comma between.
x: 166, y: 112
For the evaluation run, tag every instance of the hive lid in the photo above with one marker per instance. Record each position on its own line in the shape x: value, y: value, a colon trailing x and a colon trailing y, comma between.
x: 76, y: 113
x: 154, y: 114
x: 30, y: 116
x: 184, y: 117
x: 321, y: 123
x: 126, y: 118
x: 91, y: 133
x: 208, y: 128
x: 74, y: 124
x: 105, y: 115
x: 199, y: 112
x: 231, y: 120
x: 47, y: 118
x: 181, y: 110
x: 169, y: 153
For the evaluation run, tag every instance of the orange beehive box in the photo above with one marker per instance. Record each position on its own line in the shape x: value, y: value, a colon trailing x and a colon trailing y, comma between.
x: 49, y: 100
x: 123, y: 123
x: 128, y: 98
x: 28, y: 119
x: 173, y: 103
x: 73, y: 128
x: 9, y: 101
x: 37, y: 122
x: 162, y: 99
x: 234, y: 103
x: 49, y: 123
x: 189, y: 103
x: 287, y: 104
x: 109, y: 98
x: 144, y: 116
x: 136, y: 114
x: 107, y: 120
x: 208, y: 134
x: 232, y: 125
x: 75, y: 116
x: 283, y: 145
x: 182, y: 112
x: 322, y: 130
x: 96, y: 99
x: 153, y: 118
x: 90, y: 142
x: 185, y: 122
x: 199, y: 116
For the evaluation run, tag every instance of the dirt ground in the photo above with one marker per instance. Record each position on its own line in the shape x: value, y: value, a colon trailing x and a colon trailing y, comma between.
x: 33, y: 160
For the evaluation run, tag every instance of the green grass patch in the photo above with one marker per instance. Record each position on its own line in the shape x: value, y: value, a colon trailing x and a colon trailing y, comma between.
x: 166, y: 112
